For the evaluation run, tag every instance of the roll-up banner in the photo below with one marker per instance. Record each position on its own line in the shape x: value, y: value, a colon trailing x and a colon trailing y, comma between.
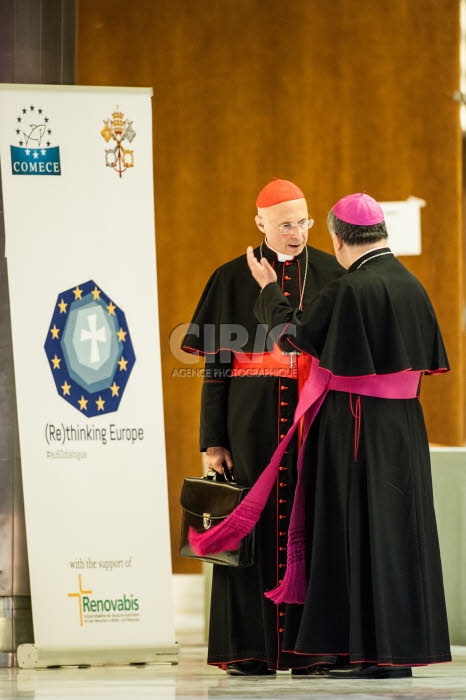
x: 77, y: 179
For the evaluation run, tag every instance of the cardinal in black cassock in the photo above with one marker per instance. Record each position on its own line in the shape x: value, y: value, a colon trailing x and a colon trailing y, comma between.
x: 248, y: 400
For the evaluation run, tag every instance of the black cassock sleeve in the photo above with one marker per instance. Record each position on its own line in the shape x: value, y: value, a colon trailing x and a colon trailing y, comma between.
x: 272, y: 308
x: 214, y: 403
x: 361, y: 324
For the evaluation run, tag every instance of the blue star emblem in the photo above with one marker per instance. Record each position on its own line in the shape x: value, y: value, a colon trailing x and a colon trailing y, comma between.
x: 89, y: 350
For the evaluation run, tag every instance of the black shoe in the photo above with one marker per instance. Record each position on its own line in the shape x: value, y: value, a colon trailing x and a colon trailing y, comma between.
x: 316, y: 670
x: 249, y: 668
x: 370, y: 671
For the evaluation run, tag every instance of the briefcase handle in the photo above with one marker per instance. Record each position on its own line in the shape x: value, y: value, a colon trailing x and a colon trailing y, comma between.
x: 227, y: 475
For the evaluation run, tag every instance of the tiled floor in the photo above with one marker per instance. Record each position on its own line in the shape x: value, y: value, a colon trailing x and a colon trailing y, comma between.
x: 192, y: 679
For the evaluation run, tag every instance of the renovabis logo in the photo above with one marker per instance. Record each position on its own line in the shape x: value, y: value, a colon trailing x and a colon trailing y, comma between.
x: 89, y: 349
x: 35, y: 153
x: 92, y: 608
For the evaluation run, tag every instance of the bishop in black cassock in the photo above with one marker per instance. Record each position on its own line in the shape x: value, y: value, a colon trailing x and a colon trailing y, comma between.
x: 374, y: 593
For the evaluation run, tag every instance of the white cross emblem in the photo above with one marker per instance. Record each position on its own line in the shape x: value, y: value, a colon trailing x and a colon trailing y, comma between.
x: 95, y: 335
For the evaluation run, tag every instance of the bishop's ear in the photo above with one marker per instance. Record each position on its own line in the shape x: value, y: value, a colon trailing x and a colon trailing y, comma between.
x: 337, y: 242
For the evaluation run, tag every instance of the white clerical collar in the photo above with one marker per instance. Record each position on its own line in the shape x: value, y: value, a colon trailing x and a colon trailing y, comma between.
x: 371, y: 250
x: 281, y: 256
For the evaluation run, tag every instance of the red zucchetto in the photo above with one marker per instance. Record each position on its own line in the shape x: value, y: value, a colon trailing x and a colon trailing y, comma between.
x: 276, y: 192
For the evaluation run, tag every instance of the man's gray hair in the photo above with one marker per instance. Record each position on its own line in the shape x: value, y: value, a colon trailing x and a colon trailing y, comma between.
x: 351, y: 234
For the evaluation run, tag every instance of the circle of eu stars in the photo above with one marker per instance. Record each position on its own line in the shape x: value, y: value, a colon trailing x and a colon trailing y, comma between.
x: 89, y: 350
x: 33, y: 128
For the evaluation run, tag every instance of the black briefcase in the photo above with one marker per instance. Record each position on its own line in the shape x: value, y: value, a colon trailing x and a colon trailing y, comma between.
x: 206, y: 501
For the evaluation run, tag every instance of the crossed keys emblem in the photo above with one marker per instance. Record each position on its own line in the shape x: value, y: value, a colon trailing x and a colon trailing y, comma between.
x: 119, y: 129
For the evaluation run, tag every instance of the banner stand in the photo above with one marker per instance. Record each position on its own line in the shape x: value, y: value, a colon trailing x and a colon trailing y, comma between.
x: 31, y: 656
x: 78, y: 200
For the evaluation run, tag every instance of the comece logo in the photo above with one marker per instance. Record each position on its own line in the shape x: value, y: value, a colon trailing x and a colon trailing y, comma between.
x: 89, y: 349
x: 119, y: 130
x: 34, y: 154
x: 124, y: 607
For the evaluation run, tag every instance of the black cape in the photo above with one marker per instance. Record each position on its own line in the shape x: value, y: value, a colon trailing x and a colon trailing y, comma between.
x: 375, y: 590
x: 247, y: 415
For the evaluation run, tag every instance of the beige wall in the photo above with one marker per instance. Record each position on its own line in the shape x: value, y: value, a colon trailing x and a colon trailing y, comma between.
x: 338, y: 96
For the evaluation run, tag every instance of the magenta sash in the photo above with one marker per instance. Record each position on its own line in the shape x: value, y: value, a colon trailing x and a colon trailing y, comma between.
x: 227, y: 535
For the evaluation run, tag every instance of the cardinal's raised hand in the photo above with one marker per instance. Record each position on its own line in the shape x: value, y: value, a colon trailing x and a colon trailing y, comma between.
x: 262, y: 271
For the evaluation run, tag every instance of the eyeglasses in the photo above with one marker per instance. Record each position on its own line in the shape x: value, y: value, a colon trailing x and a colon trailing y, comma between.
x: 289, y: 226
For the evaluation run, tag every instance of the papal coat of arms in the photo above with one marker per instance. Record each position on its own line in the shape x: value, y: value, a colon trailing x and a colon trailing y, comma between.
x: 119, y: 130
